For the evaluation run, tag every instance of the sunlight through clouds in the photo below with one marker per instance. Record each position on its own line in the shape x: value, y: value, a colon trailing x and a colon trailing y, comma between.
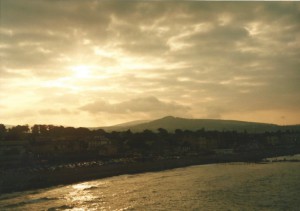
x: 81, y: 71
x: 97, y: 60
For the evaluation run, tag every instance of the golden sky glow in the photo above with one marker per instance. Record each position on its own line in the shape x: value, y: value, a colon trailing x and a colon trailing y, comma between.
x: 97, y: 63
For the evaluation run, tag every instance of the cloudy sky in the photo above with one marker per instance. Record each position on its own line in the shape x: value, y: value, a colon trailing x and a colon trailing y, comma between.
x: 96, y: 63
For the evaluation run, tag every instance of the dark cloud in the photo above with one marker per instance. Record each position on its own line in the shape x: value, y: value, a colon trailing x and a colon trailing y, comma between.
x: 144, y: 104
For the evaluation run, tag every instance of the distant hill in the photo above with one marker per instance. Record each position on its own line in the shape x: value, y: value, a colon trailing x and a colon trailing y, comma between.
x: 171, y: 123
x: 132, y: 123
x: 122, y: 126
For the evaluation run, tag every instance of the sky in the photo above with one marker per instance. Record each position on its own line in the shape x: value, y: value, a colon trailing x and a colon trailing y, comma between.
x: 98, y: 63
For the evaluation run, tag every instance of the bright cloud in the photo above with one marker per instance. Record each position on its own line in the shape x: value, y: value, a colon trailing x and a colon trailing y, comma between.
x: 92, y: 63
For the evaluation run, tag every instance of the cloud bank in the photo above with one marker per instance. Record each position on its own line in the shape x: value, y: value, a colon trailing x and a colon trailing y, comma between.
x: 99, y: 61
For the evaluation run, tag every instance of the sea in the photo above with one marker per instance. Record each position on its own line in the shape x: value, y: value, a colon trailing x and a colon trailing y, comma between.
x: 273, y: 185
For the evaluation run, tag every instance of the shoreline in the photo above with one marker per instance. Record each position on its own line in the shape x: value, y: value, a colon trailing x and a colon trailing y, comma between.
x: 14, y: 181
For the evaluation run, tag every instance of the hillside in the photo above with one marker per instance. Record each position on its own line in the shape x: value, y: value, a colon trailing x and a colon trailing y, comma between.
x: 171, y: 123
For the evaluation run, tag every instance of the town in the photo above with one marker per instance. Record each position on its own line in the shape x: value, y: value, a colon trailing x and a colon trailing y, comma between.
x: 24, y: 146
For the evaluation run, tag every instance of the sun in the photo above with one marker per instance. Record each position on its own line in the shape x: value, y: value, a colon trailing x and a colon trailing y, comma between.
x: 81, y: 71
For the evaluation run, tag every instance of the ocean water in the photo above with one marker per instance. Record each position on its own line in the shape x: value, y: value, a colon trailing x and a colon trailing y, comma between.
x: 233, y: 186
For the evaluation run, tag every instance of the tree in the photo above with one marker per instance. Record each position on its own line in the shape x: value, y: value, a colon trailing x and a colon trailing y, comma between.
x: 163, y: 132
x: 81, y: 131
x: 178, y: 132
x: 2, y: 131
x: 100, y: 132
x: 44, y: 129
x: 147, y: 135
x: 18, y: 132
x: 35, y: 130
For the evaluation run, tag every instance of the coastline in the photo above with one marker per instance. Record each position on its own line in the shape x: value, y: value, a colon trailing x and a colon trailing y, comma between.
x: 22, y: 180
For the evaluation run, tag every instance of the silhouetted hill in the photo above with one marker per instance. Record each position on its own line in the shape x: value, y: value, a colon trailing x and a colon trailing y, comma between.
x: 171, y: 123
x: 131, y: 123
x: 122, y: 126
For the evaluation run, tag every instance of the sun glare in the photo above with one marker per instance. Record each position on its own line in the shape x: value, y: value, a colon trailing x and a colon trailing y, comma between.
x: 81, y: 71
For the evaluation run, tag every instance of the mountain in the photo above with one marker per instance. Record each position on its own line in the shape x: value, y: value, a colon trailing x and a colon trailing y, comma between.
x: 120, y: 127
x: 171, y: 123
x: 132, y: 123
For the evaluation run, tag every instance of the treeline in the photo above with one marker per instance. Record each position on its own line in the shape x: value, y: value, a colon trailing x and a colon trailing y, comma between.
x: 158, y: 140
x: 24, y: 132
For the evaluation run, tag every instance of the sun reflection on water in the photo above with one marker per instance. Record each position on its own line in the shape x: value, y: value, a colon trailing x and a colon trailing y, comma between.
x: 81, y: 186
x: 81, y: 196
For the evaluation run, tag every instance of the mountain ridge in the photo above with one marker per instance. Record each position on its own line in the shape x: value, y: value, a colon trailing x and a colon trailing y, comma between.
x: 172, y: 123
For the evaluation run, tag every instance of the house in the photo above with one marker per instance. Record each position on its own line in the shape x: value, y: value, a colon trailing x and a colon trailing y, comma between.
x: 224, y: 151
x: 13, y: 148
x: 13, y: 152
x: 97, y: 142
